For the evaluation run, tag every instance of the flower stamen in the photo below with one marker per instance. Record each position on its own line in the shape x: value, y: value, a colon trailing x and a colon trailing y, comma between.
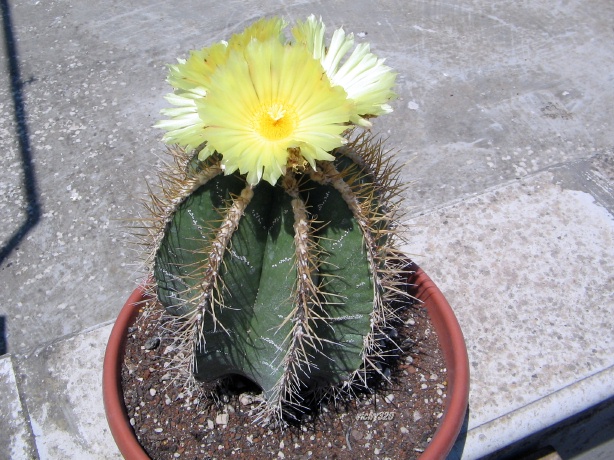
x: 275, y: 122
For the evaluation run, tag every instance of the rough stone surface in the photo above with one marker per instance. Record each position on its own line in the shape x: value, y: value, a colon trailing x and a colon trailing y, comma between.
x: 15, y: 435
x: 484, y: 97
x: 513, y: 432
x: 529, y: 269
x: 503, y: 120
x: 63, y: 392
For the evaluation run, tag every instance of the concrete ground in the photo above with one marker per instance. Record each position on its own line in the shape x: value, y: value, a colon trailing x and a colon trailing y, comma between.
x: 503, y: 122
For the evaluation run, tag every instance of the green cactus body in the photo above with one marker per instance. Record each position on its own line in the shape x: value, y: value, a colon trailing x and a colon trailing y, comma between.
x: 283, y: 284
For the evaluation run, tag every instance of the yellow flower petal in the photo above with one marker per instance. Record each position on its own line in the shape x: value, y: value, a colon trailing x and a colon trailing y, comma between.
x: 311, y: 34
x: 365, y: 78
x: 191, y: 76
x: 261, y: 30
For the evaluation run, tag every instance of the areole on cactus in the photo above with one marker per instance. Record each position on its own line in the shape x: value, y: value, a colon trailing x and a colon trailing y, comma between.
x: 273, y: 240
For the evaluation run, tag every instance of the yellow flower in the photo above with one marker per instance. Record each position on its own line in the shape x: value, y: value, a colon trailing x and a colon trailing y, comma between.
x: 192, y: 75
x: 268, y: 103
x: 191, y: 78
x: 365, y: 78
x: 261, y: 30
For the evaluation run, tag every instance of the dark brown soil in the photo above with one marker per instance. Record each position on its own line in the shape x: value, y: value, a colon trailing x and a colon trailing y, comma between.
x: 396, y: 423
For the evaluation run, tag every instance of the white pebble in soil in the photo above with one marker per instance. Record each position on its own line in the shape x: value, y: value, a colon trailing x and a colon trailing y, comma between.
x: 221, y: 419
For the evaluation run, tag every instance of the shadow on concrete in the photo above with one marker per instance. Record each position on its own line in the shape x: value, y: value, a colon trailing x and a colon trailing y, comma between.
x: 3, y: 345
x: 588, y: 434
x: 33, y: 211
x: 459, y: 446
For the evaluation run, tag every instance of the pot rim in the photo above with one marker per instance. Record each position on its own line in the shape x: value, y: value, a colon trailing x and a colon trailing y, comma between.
x: 421, y: 287
x: 455, y: 356
x: 112, y: 392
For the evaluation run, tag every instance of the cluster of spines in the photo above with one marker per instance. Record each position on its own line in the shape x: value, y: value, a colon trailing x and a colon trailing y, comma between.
x: 307, y: 300
x: 365, y: 186
x: 178, y: 180
x: 371, y: 191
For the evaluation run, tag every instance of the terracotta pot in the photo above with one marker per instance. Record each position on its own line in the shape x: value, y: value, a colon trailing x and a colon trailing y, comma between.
x: 422, y: 287
x: 457, y: 363
x: 112, y: 392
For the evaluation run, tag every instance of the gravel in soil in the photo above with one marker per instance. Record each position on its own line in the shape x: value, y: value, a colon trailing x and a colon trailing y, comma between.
x: 171, y: 422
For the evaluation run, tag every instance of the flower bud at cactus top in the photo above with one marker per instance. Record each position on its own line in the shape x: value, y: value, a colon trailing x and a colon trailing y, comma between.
x: 281, y: 284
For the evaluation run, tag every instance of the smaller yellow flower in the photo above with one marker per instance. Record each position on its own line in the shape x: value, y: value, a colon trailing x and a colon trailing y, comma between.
x: 262, y: 30
x: 191, y: 78
x: 365, y: 78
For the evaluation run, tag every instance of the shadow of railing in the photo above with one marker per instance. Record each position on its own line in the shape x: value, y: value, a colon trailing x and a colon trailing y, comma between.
x: 33, y: 210
x: 3, y: 345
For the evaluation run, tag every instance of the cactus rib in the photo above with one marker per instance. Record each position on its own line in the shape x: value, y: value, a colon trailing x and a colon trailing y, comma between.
x: 176, y: 186
x: 207, y: 301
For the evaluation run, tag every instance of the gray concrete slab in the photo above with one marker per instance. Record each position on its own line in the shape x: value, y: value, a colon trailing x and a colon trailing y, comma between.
x: 539, y: 256
x: 63, y: 392
x: 584, y: 435
x: 531, y: 280
x: 483, y: 97
x: 15, y: 434
x: 490, y: 93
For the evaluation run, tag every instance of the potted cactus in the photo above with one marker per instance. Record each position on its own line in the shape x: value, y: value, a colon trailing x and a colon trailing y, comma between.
x: 271, y: 242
